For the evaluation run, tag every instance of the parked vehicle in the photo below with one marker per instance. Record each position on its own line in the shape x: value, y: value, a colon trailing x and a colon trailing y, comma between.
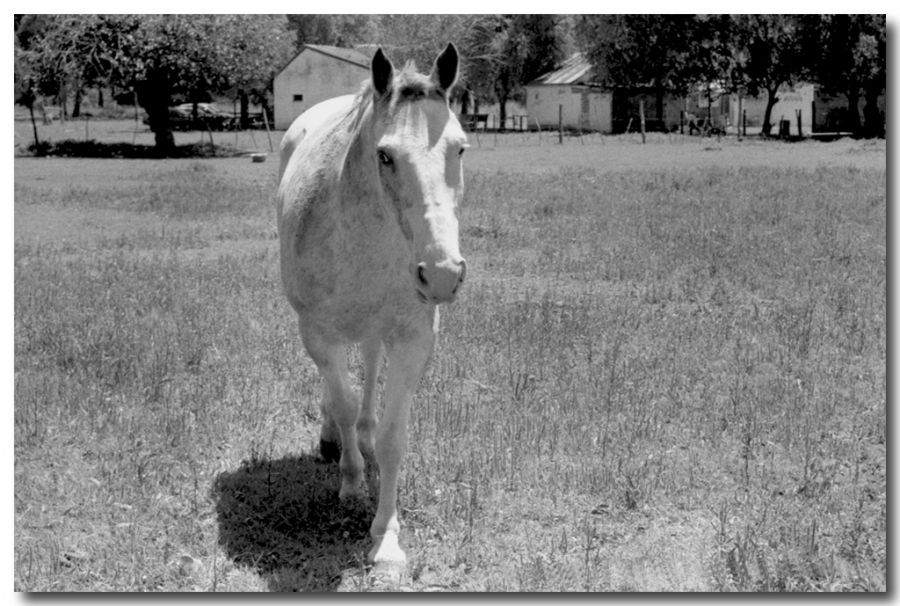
x: 209, y: 117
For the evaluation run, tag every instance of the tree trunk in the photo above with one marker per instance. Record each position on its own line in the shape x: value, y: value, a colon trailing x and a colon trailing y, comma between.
x: 874, y: 127
x: 502, y: 101
x: 464, y: 102
x: 245, y: 110
x: 660, y: 108
x: 76, y: 106
x: 853, y: 111
x: 767, y: 117
x: 154, y: 96
x: 37, y: 143
x: 61, y: 97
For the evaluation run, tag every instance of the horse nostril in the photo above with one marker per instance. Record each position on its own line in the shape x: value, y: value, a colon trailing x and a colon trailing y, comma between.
x: 420, y: 274
x: 462, y: 276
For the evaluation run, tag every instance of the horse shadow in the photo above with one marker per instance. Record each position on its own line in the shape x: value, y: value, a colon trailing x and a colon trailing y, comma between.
x: 283, y: 519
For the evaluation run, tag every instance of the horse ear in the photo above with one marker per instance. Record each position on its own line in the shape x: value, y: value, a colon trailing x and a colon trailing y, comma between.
x: 382, y: 73
x: 445, y: 68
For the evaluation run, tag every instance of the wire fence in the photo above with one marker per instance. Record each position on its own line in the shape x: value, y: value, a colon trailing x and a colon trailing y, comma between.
x: 483, y: 138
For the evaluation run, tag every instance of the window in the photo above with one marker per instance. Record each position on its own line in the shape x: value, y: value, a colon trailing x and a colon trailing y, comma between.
x: 298, y: 97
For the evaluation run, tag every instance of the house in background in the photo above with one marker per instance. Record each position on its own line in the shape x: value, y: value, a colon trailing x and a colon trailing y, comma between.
x: 585, y: 106
x: 589, y: 106
x: 316, y: 73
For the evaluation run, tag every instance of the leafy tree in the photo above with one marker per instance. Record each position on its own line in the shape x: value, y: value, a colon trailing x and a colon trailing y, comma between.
x: 846, y: 55
x: 505, y: 52
x: 643, y: 50
x: 23, y: 83
x: 247, y: 61
x: 333, y: 30
x: 482, y: 47
x: 160, y: 56
x: 769, y: 54
x: 418, y: 38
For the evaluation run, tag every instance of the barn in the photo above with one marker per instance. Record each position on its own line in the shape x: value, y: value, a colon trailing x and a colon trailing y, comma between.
x: 316, y: 73
x: 585, y: 106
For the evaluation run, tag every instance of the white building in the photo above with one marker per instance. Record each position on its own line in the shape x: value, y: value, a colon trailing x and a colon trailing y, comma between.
x: 791, y: 100
x: 316, y: 73
x: 584, y: 105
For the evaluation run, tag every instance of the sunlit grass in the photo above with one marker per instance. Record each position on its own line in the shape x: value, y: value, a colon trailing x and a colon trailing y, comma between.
x: 653, y: 380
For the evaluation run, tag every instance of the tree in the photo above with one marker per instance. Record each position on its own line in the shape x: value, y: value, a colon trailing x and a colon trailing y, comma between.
x: 333, y: 30
x: 846, y: 55
x: 23, y: 83
x: 642, y: 50
x: 481, y: 47
x: 507, y: 51
x: 769, y: 55
x: 160, y: 56
x: 247, y: 64
x: 871, y: 51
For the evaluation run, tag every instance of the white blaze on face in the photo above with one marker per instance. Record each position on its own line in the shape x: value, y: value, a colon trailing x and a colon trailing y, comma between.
x: 421, y: 170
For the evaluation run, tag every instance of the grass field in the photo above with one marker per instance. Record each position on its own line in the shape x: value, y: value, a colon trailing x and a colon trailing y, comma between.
x: 666, y: 372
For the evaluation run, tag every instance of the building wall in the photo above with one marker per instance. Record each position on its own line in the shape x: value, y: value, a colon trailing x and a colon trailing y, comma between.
x: 789, y: 101
x: 314, y: 77
x: 543, y: 101
x: 626, y: 110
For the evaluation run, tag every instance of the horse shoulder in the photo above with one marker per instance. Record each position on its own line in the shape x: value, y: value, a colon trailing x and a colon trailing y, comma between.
x: 317, y: 118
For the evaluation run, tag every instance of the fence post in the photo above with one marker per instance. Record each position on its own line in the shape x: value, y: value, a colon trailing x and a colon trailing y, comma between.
x: 744, y: 123
x: 800, y: 124
x: 268, y: 133
x: 560, y: 124
x: 643, y: 130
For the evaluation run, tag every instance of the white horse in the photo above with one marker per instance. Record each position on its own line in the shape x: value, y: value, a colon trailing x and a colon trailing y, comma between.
x: 369, y: 186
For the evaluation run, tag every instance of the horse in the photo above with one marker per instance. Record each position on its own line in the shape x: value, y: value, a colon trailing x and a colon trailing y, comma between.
x: 369, y: 187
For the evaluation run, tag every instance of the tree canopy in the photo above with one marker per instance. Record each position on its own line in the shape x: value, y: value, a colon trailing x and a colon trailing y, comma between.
x: 750, y: 54
x: 157, y: 56
x: 163, y: 57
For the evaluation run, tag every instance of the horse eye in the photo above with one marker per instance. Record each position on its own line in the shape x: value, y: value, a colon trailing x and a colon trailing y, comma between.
x: 461, y: 151
x: 384, y: 158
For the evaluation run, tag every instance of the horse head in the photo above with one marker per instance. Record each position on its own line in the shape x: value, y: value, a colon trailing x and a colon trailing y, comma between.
x: 417, y: 145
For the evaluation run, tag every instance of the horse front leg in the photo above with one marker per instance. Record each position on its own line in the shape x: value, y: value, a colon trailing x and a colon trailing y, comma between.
x: 406, y: 363
x: 340, y: 408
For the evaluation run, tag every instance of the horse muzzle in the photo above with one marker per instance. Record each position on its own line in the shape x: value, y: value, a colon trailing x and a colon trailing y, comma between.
x: 439, y: 282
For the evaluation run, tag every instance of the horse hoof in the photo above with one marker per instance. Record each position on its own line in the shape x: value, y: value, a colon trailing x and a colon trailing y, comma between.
x: 386, y: 576
x: 330, y: 451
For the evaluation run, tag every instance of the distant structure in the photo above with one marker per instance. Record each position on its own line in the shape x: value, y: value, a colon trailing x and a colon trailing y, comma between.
x: 792, y: 114
x: 572, y: 92
x: 585, y: 105
x: 316, y: 73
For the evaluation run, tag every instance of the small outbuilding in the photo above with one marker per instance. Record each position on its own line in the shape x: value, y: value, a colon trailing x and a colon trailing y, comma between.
x: 316, y: 73
x: 585, y: 105
x: 792, y: 114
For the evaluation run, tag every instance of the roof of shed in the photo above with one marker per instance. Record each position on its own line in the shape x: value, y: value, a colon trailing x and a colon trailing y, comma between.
x: 345, y: 54
x: 353, y: 56
x: 570, y: 71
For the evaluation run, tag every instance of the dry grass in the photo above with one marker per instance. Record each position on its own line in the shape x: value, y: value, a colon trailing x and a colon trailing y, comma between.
x: 662, y: 376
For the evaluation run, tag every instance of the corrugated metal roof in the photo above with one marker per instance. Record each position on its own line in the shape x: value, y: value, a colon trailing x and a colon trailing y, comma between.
x: 571, y: 71
x: 345, y: 54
